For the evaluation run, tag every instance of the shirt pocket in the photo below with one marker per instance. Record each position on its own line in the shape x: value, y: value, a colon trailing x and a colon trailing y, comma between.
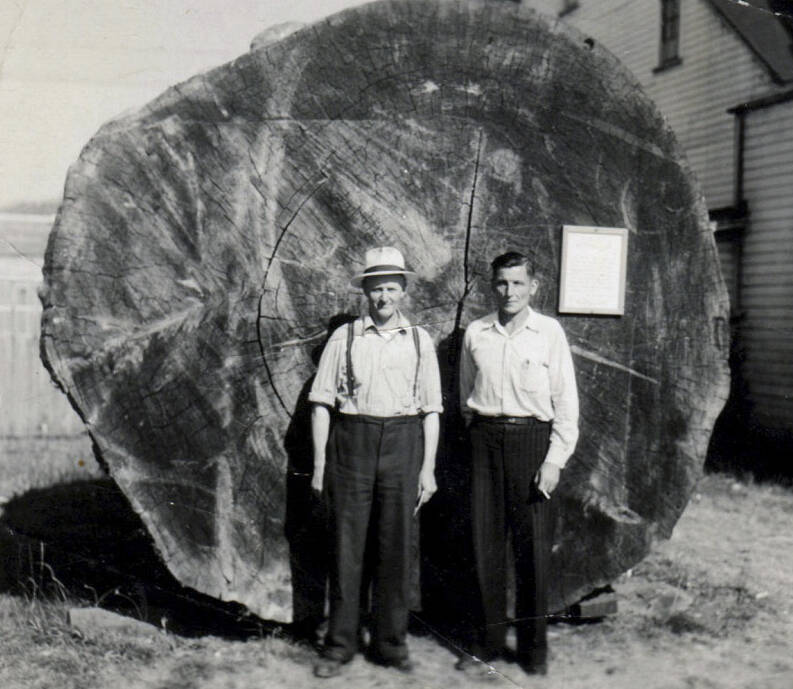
x: 533, y: 375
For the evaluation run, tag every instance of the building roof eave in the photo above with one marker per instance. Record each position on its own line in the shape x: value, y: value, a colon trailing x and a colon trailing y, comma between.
x: 762, y: 32
x: 773, y: 98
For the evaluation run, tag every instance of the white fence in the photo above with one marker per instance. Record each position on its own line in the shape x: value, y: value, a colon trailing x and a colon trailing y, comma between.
x: 30, y: 404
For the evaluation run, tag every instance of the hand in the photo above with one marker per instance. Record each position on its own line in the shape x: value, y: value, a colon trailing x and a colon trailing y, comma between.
x: 547, y: 478
x: 427, y: 487
x: 318, y: 477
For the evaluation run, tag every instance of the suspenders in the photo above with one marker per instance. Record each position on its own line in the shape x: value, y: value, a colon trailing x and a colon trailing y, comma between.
x: 350, y: 335
x: 350, y: 376
x: 415, y: 332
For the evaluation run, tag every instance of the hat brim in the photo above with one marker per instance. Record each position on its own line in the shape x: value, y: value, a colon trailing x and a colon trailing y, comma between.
x: 357, y: 281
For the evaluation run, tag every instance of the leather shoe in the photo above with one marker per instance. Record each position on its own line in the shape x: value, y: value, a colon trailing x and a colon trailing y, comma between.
x: 402, y: 664
x: 534, y: 668
x: 327, y: 667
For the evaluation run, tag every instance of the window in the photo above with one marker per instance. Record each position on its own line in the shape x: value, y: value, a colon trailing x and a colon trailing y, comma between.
x: 670, y: 34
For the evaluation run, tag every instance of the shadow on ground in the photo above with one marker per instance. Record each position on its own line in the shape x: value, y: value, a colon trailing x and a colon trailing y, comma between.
x: 83, y: 541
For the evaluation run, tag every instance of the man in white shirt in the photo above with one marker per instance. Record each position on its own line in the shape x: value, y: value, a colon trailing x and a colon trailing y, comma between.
x: 375, y: 465
x: 519, y: 397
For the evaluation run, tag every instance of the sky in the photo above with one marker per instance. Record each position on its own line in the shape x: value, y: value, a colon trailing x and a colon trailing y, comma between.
x: 68, y: 66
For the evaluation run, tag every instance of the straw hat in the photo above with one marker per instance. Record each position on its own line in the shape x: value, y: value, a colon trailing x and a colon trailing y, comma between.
x: 384, y: 260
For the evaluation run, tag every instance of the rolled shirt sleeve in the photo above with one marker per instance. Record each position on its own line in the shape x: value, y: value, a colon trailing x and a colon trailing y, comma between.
x: 429, y: 383
x: 330, y: 370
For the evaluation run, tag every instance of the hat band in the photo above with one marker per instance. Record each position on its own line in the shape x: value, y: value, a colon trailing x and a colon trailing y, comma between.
x: 385, y: 268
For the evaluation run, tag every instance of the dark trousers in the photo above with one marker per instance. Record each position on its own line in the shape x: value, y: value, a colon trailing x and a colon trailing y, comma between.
x: 505, y: 459
x: 371, y: 484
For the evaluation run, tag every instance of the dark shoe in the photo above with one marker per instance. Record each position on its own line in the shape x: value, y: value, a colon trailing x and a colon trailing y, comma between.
x: 327, y: 667
x: 402, y: 664
x: 308, y: 630
x: 533, y: 668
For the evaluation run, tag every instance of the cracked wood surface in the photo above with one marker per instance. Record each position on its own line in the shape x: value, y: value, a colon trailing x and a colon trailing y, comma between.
x: 204, y: 242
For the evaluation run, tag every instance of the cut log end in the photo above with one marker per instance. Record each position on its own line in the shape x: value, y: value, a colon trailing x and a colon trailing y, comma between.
x: 205, y: 242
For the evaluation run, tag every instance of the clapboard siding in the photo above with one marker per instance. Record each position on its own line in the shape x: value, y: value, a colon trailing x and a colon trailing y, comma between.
x: 30, y: 404
x: 767, y: 284
x: 762, y: 273
x: 776, y: 162
x: 774, y: 243
x: 776, y: 350
x: 766, y: 299
x: 780, y: 153
x: 718, y: 71
x: 766, y: 388
x: 780, y: 360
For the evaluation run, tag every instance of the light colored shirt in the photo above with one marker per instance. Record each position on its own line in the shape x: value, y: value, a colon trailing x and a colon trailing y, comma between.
x: 384, y: 371
x: 526, y: 373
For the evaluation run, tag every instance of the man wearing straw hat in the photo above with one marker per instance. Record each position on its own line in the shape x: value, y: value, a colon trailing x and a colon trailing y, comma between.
x: 378, y: 380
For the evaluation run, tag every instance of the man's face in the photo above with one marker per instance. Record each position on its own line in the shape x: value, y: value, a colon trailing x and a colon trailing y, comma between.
x: 513, y: 288
x: 383, y: 293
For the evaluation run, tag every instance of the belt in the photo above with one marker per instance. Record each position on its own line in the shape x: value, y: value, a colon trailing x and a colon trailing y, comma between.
x: 512, y: 420
x: 382, y: 420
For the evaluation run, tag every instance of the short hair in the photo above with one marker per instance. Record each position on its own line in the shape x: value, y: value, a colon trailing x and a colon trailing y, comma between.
x: 511, y: 259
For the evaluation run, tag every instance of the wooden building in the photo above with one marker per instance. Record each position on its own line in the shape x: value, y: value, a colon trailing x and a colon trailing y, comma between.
x: 722, y: 73
x: 30, y: 404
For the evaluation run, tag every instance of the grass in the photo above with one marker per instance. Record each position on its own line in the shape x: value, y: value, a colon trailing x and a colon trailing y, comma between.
x: 39, y: 650
x: 708, y: 608
x: 27, y: 463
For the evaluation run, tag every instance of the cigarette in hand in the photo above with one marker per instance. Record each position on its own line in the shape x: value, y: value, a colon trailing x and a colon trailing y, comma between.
x: 418, y: 502
x: 545, y: 493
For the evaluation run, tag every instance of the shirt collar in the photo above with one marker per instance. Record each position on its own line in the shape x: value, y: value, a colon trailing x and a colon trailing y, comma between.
x: 402, y: 323
x: 491, y: 320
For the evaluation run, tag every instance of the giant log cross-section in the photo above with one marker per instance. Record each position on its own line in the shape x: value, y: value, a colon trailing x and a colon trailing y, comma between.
x: 204, y: 242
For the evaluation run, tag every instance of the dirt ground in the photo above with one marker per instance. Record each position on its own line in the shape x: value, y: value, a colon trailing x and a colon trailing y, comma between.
x: 710, y: 608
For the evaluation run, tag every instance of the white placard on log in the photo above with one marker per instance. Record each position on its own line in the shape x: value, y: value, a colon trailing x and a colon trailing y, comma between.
x: 594, y: 261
